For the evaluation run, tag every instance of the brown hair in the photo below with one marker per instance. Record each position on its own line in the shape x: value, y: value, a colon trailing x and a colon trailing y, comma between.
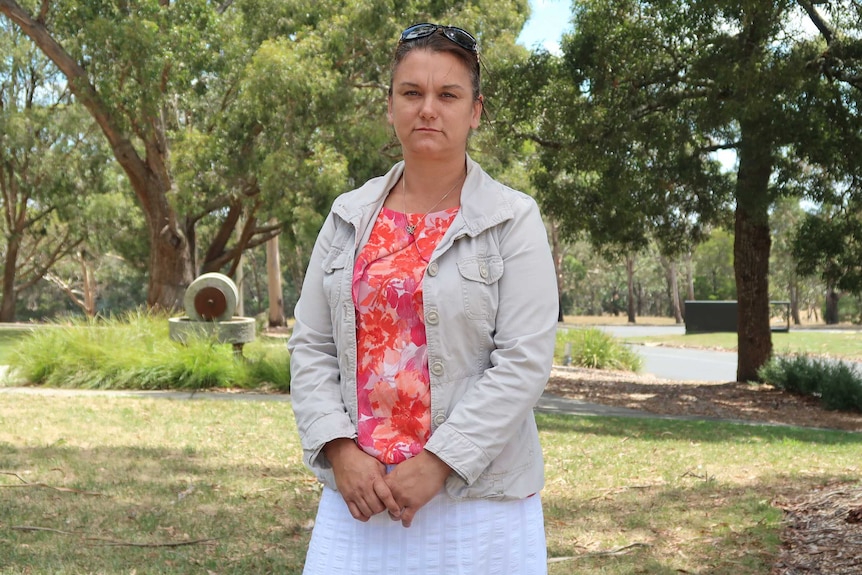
x: 437, y: 42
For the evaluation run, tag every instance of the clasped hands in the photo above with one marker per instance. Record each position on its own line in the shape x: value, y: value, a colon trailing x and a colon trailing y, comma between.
x: 368, y: 490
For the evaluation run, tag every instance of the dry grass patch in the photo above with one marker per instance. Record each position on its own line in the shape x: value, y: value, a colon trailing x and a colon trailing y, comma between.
x: 660, y: 497
x: 124, y: 485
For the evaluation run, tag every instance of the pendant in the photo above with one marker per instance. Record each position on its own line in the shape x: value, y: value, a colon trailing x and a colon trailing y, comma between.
x: 410, y: 229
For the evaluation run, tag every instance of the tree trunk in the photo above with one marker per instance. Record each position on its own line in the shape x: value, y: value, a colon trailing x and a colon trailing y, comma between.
x: 793, y: 288
x: 273, y: 284
x: 9, y: 295
x: 557, y: 252
x: 630, y: 273
x: 831, y: 314
x: 672, y: 288
x: 751, y: 248
x: 171, y: 265
x: 689, y: 280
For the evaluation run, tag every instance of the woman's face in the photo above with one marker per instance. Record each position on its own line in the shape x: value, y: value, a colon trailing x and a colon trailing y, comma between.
x: 432, y: 107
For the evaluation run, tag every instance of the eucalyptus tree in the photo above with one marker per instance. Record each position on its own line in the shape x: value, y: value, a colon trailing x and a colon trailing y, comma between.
x: 828, y: 244
x: 785, y: 279
x: 595, y: 175
x: 654, y: 88
x: 236, y: 121
x: 51, y: 162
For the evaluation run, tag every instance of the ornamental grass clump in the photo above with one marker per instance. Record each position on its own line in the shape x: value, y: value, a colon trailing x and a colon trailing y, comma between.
x: 595, y: 349
x: 837, y: 384
x: 136, y: 352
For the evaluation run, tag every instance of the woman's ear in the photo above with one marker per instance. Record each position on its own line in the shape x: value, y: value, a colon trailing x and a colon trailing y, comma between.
x: 478, y: 106
x: 389, y: 108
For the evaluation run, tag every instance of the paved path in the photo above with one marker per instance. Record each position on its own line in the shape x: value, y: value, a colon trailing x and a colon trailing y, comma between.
x: 547, y: 403
x: 678, y: 364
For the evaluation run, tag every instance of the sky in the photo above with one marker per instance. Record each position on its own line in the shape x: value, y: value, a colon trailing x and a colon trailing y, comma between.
x: 549, y: 19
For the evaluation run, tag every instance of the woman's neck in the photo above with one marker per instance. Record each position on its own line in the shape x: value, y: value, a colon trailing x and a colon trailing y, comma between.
x: 425, y: 174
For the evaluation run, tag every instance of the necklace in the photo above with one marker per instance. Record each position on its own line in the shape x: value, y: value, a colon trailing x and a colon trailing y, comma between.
x: 412, y: 227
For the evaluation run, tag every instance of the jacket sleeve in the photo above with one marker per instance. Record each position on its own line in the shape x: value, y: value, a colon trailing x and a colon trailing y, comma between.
x: 496, y: 406
x: 318, y: 406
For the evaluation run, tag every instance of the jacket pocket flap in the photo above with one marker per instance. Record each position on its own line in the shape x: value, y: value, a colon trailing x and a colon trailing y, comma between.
x: 334, y: 260
x: 486, y: 270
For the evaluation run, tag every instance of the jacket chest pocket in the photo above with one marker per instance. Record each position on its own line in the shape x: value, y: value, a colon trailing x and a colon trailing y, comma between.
x: 334, y: 267
x: 479, y: 288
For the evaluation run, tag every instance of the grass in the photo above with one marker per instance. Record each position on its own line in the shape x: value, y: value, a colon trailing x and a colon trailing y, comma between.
x: 9, y: 336
x: 136, y: 352
x: 101, y: 484
x: 143, y: 350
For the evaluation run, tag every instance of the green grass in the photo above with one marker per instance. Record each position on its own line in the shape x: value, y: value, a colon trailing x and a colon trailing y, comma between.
x: 847, y: 345
x: 136, y: 352
x: 101, y: 484
x: 9, y: 336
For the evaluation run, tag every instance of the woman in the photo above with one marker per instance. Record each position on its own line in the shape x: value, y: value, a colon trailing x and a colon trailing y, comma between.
x: 424, y: 336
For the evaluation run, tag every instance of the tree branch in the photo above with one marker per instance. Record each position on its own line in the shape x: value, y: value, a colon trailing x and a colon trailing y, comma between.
x: 86, y: 93
x: 817, y: 20
x: 112, y: 542
x: 43, y: 12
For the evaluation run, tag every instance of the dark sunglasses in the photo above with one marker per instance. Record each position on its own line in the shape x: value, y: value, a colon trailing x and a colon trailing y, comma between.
x: 457, y: 35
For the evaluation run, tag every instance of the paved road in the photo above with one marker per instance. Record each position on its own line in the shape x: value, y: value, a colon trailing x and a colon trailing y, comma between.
x: 676, y: 363
x: 687, y: 364
x: 680, y: 364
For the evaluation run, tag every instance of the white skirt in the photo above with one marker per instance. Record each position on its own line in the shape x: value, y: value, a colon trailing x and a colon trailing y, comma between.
x: 447, y: 537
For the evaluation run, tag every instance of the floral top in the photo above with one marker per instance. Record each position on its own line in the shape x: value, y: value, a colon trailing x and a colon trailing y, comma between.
x: 392, y: 381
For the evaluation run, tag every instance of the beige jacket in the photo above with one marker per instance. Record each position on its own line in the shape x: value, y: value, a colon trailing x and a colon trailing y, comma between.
x: 490, y: 302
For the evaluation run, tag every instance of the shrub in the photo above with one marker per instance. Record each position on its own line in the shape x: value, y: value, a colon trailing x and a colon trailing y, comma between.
x: 593, y: 348
x: 136, y: 352
x: 837, y: 384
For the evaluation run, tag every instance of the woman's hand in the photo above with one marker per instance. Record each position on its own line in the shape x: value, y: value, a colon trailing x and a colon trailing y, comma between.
x: 360, y: 480
x: 414, y: 483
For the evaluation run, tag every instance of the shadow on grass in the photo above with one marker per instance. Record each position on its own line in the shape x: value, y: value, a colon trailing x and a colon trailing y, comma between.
x: 704, y: 527
x: 149, y: 510
x: 700, y: 430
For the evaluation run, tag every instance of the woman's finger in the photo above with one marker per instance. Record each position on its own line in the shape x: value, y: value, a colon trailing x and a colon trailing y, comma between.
x: 385, y: 496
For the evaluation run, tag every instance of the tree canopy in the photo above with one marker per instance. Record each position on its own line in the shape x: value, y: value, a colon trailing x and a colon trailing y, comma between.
x: 630, y: 117
x: 235, y: 122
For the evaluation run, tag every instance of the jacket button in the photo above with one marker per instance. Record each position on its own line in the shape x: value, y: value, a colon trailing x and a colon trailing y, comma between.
x: 432, y: 318
x: 432, y: 269
x: 439, y: 419
x: 483, y: 271
x: 437, y: 368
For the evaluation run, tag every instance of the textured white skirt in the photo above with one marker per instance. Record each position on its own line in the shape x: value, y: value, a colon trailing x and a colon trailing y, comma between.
x: 447, y: 537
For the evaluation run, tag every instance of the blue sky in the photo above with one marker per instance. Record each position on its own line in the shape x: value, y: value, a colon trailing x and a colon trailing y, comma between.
x: 548, y: 20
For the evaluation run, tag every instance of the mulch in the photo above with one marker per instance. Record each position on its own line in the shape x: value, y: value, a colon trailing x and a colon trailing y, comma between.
x: 822, y: 533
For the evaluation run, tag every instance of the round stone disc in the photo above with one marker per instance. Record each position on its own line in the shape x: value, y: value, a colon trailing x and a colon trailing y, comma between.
x: 210, y: 303
x: 211, y: 297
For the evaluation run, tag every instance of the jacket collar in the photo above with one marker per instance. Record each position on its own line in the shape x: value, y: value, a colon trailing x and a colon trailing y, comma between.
x: 484, y: 201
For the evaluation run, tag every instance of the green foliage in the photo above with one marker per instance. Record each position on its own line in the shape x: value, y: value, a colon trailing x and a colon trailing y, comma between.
x: 713, y: 264
x: 837, y: 384
x: 829, y: 244
x: 136, y: 352
x: 595, y: 349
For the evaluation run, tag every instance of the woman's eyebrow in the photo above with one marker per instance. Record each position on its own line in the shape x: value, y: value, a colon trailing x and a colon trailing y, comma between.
x: 408, y: 84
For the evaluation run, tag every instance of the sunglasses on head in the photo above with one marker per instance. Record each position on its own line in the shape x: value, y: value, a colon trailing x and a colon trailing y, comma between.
x: 457, y: 35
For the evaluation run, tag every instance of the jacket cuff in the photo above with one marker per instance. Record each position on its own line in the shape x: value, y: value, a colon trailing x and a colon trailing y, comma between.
x: 451, y: 447
x: 325, y: 429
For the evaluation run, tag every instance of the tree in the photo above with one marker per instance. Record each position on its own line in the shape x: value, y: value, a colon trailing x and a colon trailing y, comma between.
x: 786, y: 281
x: 51, y: 163
x: 237, y: 113
x: 656, y: 88
x: 713, y: 267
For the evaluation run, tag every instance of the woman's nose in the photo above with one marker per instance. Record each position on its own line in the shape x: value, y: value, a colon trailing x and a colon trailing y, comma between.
x: 429, y: 107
